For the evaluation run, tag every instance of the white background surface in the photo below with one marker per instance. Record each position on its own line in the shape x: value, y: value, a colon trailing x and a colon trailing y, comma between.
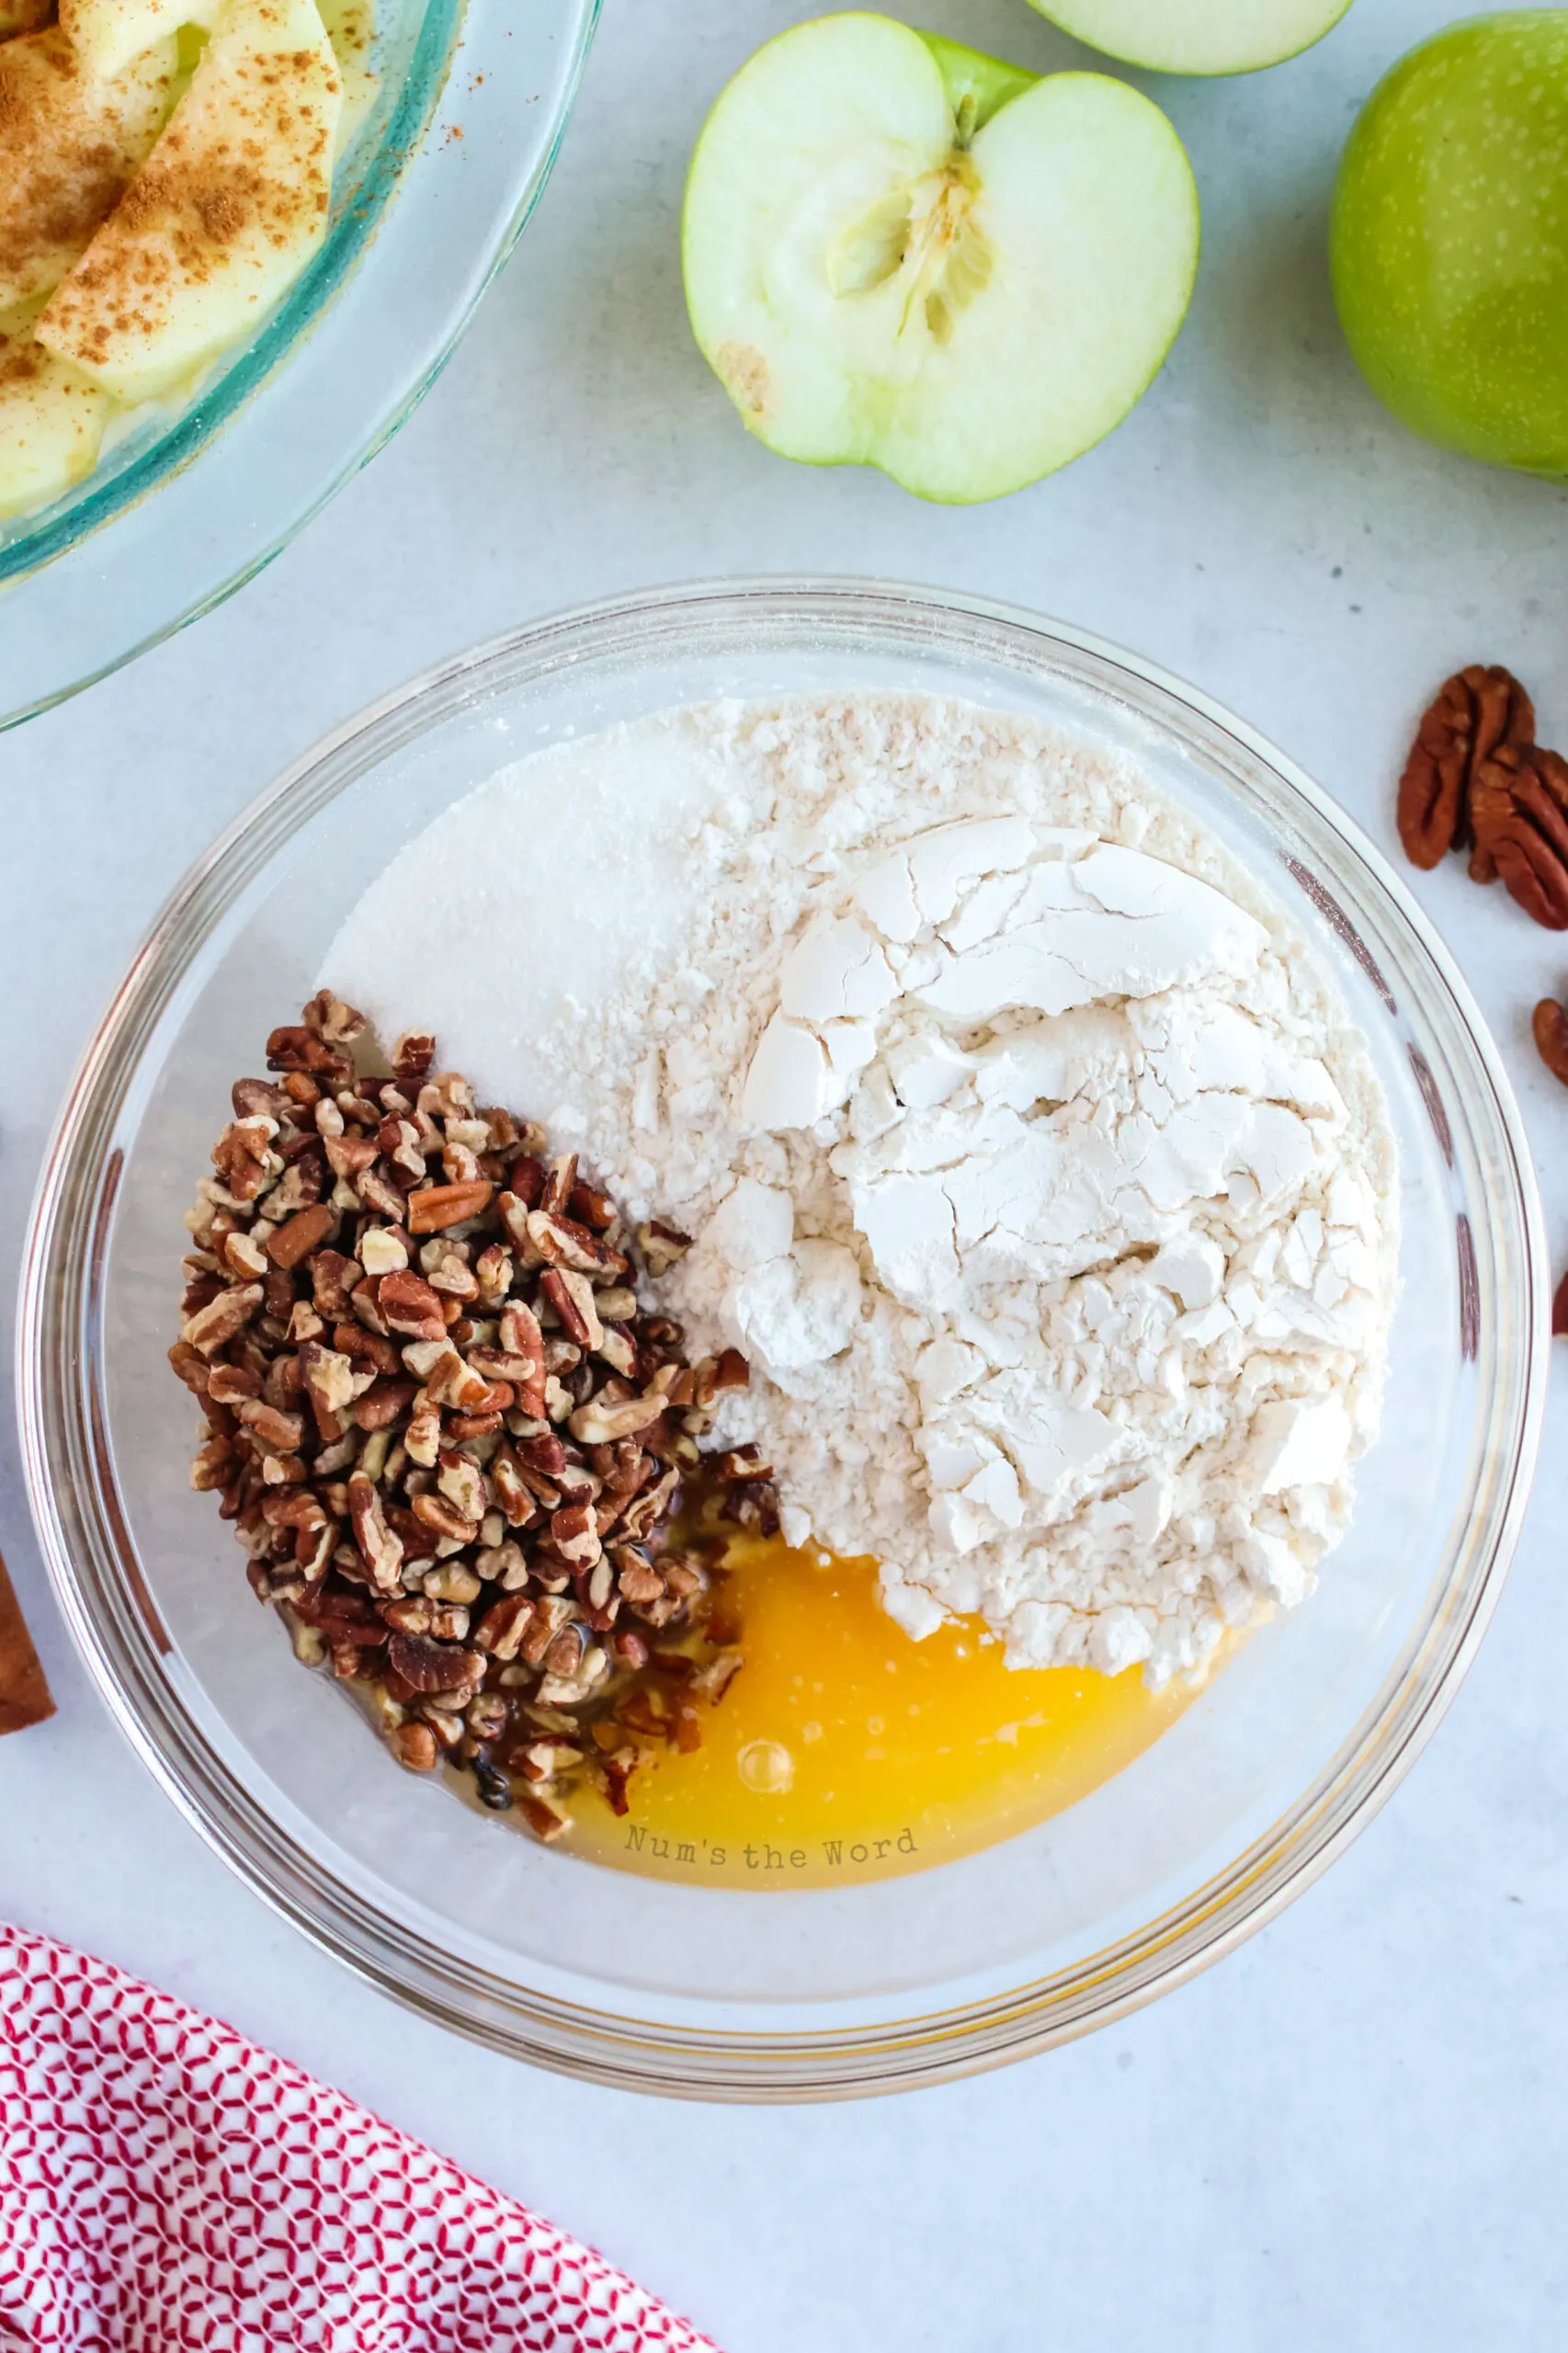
x: 1350, y: 2135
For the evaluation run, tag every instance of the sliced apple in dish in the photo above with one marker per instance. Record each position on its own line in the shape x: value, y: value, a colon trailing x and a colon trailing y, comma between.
x: 222, y: 217
x: 901, y: 254
x: 1196, y: 36
x: 51, y: 420
x: 23, y: 16
x: 70, y: 144
x: 106, y: 34
x: 351, y: 28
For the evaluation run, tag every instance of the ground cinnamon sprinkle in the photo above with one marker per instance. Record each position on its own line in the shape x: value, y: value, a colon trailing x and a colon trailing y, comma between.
x: 239, y: 183
x: 69, y: 146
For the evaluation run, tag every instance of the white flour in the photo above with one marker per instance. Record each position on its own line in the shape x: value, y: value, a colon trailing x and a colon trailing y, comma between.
x: 1033, y: 1162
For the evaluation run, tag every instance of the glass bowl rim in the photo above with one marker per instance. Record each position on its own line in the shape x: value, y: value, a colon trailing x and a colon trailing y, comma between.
x: 72, y: 1209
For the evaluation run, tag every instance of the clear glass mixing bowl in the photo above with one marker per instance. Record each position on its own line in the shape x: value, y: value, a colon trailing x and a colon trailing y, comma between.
x: 794, y: 1994
x: 190, y: 503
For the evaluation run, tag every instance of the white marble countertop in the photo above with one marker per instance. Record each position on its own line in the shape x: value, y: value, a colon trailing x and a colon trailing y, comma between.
x: 1351, y: 2132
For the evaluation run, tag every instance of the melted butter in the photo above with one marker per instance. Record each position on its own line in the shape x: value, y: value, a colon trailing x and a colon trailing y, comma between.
x: 843, y: 1751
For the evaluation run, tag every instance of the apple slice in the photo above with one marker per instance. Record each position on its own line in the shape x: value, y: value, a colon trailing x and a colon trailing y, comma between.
x: 106, y: 34
x: 351, y: 27
x: 23, y: 16
x: 899, y: 253
x: 51, y: 421
x: 69, y: 146
x: 222, y: 217
x: 1196, y: 36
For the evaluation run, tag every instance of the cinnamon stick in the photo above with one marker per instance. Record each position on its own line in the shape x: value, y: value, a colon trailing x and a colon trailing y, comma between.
x: 24, y: 1693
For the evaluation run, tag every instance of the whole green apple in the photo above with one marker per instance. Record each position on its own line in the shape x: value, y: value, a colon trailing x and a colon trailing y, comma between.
x: 1450, y: 239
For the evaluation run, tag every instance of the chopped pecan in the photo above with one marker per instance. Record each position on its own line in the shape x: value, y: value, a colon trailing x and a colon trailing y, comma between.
x: 575, y: 1533
x: 415, y: 1746
x: 661, y: 1246
x: 546, y: 1821
x: 433, y: 1390
x: 279, y: 1433
x: 412, y: 1056
x: 384, y: 1402
x: 299, y: 1236
x: 501, y: 1630
x: 244, y: 1257
x: 462, y: 1482
x: 526, y: 1174
x: 452, y: 1382
x: 383, y: 1250
x: 739, y: 1463
x: 254, y: 1098
x: 380, y: 1548
x: 572, y: 1296
x: 598, y: 1423
x: 562, y: 1242
x: 559, y: 1177
x: 213, y: 1326
x: 717, y: 1375
x: 328, y: 1017
x: 427, y: 1665
x: 241, y: 1156
x: 299, y: 1049
x: 445, y: 1518
x: 408, y: 1304
x: 437, y: 1207
x: 332, y: 1278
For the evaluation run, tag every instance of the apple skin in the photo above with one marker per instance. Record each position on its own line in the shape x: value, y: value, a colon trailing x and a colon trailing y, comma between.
x: 1448, y: 240
x: 978, y: 86
x: 1198, y: 37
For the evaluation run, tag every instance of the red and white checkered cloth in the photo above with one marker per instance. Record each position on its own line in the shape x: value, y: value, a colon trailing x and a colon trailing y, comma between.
x: 164, y: 2184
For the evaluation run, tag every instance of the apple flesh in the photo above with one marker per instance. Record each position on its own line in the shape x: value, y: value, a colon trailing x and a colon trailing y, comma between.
x: 107, y: 34
x: 51, y: 421
x: 1196, y: 36
x: 350, y: 26
x: 70, y: 144
x: 229, y: 207
x: 23, y: 16
x: 902, y: 254
x: 1449, y: 241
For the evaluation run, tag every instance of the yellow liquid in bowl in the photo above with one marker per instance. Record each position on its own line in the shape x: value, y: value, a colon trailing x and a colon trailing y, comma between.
x: 845, y: 1752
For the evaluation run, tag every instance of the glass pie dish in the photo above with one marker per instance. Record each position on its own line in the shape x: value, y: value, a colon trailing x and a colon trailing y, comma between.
x: 189, y: 501
x: 794, y: 1993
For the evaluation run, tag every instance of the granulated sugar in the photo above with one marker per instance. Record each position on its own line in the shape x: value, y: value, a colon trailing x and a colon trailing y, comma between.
x: 1030, y: 1156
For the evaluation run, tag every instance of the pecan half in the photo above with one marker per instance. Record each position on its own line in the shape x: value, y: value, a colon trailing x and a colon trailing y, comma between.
x: 1519, y: 815
x: 1550, y: 1023
x: 1473, y: 714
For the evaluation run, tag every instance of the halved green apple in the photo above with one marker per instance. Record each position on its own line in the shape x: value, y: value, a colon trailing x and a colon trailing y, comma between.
x: 901, y: 254
x: 1196, y: 36
x: 224, y: 215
